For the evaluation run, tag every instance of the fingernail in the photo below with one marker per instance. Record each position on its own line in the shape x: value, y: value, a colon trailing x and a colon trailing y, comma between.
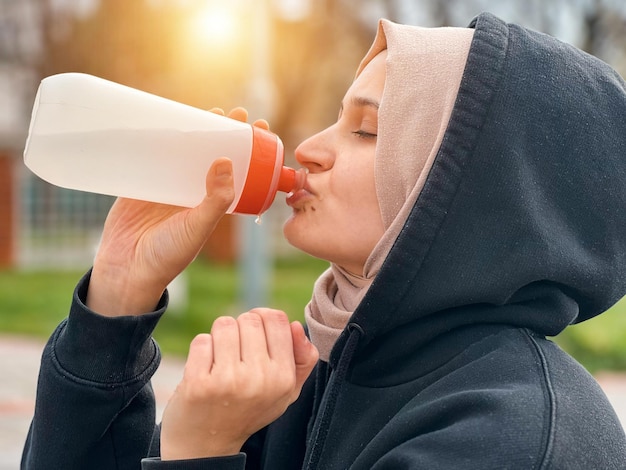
x: 223, y: 170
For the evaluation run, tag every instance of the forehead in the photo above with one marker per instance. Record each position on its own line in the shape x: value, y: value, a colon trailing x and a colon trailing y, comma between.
x: 371, y: 81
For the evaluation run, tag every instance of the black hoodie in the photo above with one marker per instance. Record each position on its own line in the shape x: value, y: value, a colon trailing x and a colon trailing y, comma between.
x: 519, y: 231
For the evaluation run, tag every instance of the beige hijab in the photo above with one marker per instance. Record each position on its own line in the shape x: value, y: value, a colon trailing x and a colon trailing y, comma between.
x: 423, y: 74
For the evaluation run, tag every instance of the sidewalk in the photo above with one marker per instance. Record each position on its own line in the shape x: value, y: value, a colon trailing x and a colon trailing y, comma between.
x: 19, y: 363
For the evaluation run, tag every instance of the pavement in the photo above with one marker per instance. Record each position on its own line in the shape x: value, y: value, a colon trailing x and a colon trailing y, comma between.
x: 19, y: 366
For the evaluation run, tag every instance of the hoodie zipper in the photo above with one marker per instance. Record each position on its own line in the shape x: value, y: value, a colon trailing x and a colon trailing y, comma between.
x: 328, y: 402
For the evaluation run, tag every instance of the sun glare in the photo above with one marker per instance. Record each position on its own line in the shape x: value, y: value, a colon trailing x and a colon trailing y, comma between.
x: 216, y: 25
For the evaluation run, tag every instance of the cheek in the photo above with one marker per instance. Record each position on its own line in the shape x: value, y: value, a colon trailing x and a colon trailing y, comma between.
x: 354, y: 189
x: 354, y: 210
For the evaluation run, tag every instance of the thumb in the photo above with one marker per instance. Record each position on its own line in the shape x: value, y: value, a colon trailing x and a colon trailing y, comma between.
x: 304, y: 352
x: 220, y: 193
x: 219, y: 186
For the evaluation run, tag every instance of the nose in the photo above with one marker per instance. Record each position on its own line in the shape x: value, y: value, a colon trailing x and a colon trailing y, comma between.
x: 316, y: 153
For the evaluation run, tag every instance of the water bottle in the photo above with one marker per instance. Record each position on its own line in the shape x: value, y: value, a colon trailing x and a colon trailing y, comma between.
x: 94, y: 135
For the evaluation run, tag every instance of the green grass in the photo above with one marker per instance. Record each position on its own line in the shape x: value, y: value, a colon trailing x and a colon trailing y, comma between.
x: 599, y: 343
x: 213, y: 292
x: 33, y: 303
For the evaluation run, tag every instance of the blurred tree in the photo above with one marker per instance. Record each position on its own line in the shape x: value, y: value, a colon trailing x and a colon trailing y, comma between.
x: 605, y: 32
x: 315, y: 61
x: 148, y: 44
x: 127, y: 42
x: 597, y: 26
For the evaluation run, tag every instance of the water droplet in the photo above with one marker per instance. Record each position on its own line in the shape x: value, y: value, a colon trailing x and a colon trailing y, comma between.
x: 258, y: 220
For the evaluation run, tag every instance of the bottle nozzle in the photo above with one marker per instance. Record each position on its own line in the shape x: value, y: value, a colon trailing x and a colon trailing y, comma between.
x: 291, y: 180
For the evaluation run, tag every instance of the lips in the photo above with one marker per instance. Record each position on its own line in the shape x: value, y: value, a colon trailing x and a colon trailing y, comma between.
x: 298, y: 198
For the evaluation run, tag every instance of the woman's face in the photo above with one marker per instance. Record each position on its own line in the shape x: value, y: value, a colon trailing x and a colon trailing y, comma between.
x: 336, y: 216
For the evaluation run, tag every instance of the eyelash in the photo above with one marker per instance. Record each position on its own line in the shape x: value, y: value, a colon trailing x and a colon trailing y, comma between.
x: 364, y: 135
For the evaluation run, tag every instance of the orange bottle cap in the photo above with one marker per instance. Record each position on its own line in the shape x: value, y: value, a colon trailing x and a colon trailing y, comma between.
x: 266, y: 174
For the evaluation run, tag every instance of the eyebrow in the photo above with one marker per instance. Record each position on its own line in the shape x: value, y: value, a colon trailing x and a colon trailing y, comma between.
x: 361, y: 101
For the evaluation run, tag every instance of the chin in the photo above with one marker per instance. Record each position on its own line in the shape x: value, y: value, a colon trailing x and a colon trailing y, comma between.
x: 291, y: 232
x: 298, y: 236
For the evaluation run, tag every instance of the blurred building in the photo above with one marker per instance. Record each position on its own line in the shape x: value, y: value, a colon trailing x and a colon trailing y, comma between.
x: 17, y: 47
x: 40, y: 225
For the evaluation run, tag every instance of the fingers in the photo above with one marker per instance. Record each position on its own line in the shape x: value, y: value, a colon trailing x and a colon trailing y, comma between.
x: 226, y: 344
x: 305, y: 354
x: 253, y: 338
x: 241, y: 114
x: 278, y: 334
x: 261, y: 123
x: 265, y: 335
x: 262, y: 336
x: 262, y: 340
x: 200, y: 356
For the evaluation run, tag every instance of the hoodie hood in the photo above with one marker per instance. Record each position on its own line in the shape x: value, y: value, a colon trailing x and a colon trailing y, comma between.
x: 521, y: 218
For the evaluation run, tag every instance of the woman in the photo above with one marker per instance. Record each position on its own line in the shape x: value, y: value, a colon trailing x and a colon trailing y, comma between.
x: 470, y: 200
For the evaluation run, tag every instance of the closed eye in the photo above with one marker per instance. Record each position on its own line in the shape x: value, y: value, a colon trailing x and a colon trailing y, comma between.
x: 364, y: 135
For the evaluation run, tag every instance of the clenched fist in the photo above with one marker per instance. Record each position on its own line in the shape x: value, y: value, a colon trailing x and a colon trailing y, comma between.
x: 237, y: 380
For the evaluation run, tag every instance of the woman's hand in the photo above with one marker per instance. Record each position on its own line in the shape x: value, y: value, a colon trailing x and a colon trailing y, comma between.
x: 146, y: 245
x: 237, y: 380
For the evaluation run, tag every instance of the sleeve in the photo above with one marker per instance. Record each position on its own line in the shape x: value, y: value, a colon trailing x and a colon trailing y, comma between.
x: 231, y: 462
x: 95, y: 406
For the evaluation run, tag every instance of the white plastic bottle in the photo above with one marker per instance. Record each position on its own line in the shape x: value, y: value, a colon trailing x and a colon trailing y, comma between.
x: 94, y: 135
